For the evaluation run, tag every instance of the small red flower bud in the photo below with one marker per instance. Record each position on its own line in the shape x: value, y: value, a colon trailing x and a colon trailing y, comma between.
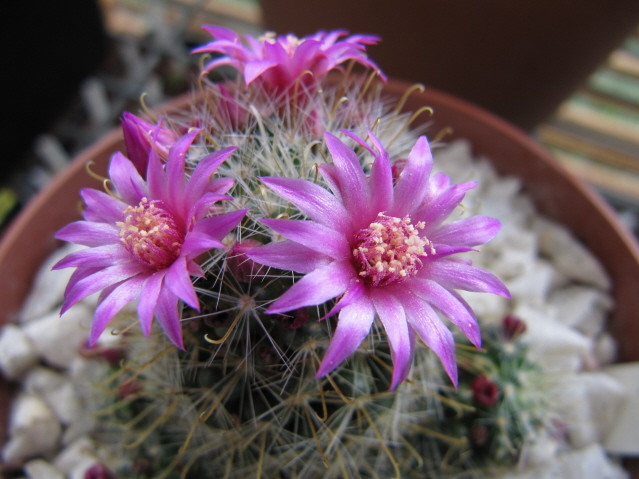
x: 99, y: 471
x: 485, y: 391
x: 512, y: 327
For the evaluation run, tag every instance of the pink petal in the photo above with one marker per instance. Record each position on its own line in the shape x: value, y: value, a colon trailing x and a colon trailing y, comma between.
x: 472, y: 231
x: 197, y: 242
x: 128, y: 183
x: 353, y: 325
x: 458, y: 275
x: 437, y: 209
x: 254, y: 69
x: 288, y: 255
x: 355, y: 291
x: 313, y: 200
x: 179, y: 282
x: 175, y: 185
x: 200, y: 180
x: 412, y: 184
x: 168, y: 317
x: 450, y: 305
x: 101, y: 207
x: 392, y: 315
x: 148, y: 300
x: 156, y: 178
x: 99, y: 280
x: 203, y: 206
x: 220, y: 225
x: 220, y: 185
x: 312, y: 235
x: 351, y: 179
x: 89, y: 233
x: 98, y: 257
x: 111, y: 305
x: 432, y: 331
x: 315, y: 288
x: 381, y: 177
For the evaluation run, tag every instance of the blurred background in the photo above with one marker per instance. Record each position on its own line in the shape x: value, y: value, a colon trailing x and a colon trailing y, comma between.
x: 564, y: 71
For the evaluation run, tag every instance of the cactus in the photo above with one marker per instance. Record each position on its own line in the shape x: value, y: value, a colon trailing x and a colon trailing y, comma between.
x: 240, y: 395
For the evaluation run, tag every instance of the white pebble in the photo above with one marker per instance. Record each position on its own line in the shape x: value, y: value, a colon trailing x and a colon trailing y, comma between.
x: 588, y: 463
x: 558, y: 348
x: 34, y: 430
x: 41, y: 469
x: 583, y: 308
x: 17, y: 352
x: 48, y: 286
x: 570, y: 256
x: 588, y: 403
x: 57, y: 339
x: 76, y: 458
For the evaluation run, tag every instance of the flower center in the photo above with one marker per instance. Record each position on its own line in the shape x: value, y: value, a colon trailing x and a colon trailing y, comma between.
x: 149, y: 232
x: 389, y: 250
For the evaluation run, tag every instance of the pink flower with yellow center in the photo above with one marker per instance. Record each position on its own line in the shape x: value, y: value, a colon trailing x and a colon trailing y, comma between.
x: 282, y: 63
x: 144, y: 238
x: 384, y: 249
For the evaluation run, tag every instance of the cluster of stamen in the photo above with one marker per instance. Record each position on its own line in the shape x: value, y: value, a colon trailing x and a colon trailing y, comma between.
x: 149, y: 232
x: 390, y: 249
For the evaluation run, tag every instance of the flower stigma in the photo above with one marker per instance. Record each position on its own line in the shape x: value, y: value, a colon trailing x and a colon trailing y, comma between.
x: 389, y: 250
x: 150, y: 233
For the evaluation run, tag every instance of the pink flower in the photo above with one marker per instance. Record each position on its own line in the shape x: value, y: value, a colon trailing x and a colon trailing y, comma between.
x: 140, y: 137
x: 144, y: 239
x: 278, y: 63
x: 384, y: 250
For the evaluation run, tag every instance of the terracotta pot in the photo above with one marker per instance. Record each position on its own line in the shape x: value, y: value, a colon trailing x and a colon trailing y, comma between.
x: 557, y: 194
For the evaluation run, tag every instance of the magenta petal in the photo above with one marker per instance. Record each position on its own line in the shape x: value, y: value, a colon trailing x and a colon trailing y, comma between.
x: 458, y: 275
x: 202, y: 206
x: 200, y: 180
x: 179, y: 283
x: 253, y: 70
x: 315, y: 288
x: 111, y: 305
x: 381, y: 177
x: 432, y: 331
x: 472, y: 231
x: 412, y: 184
x: 168, y: 317
x: 353, y: 325
x: 220, y: 185
x: 88, y: 233
x: 313, y: 235
x: 352, y: 181
x: 437, y: 209
x: 220, y: 225
x: 393, y: 318
x: 95, y: 282
x: 137, y: 144
x: 156, y: 178
x: 148, y: 300
x: 451, y: 306
x: 313, y: 200
x: 97, y: 257
x: 354, y: 292
x: 127, y: 181
x: 288, y: 256
x: 197, y: 242
x: 101, y: 207
x: 329, y: 173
